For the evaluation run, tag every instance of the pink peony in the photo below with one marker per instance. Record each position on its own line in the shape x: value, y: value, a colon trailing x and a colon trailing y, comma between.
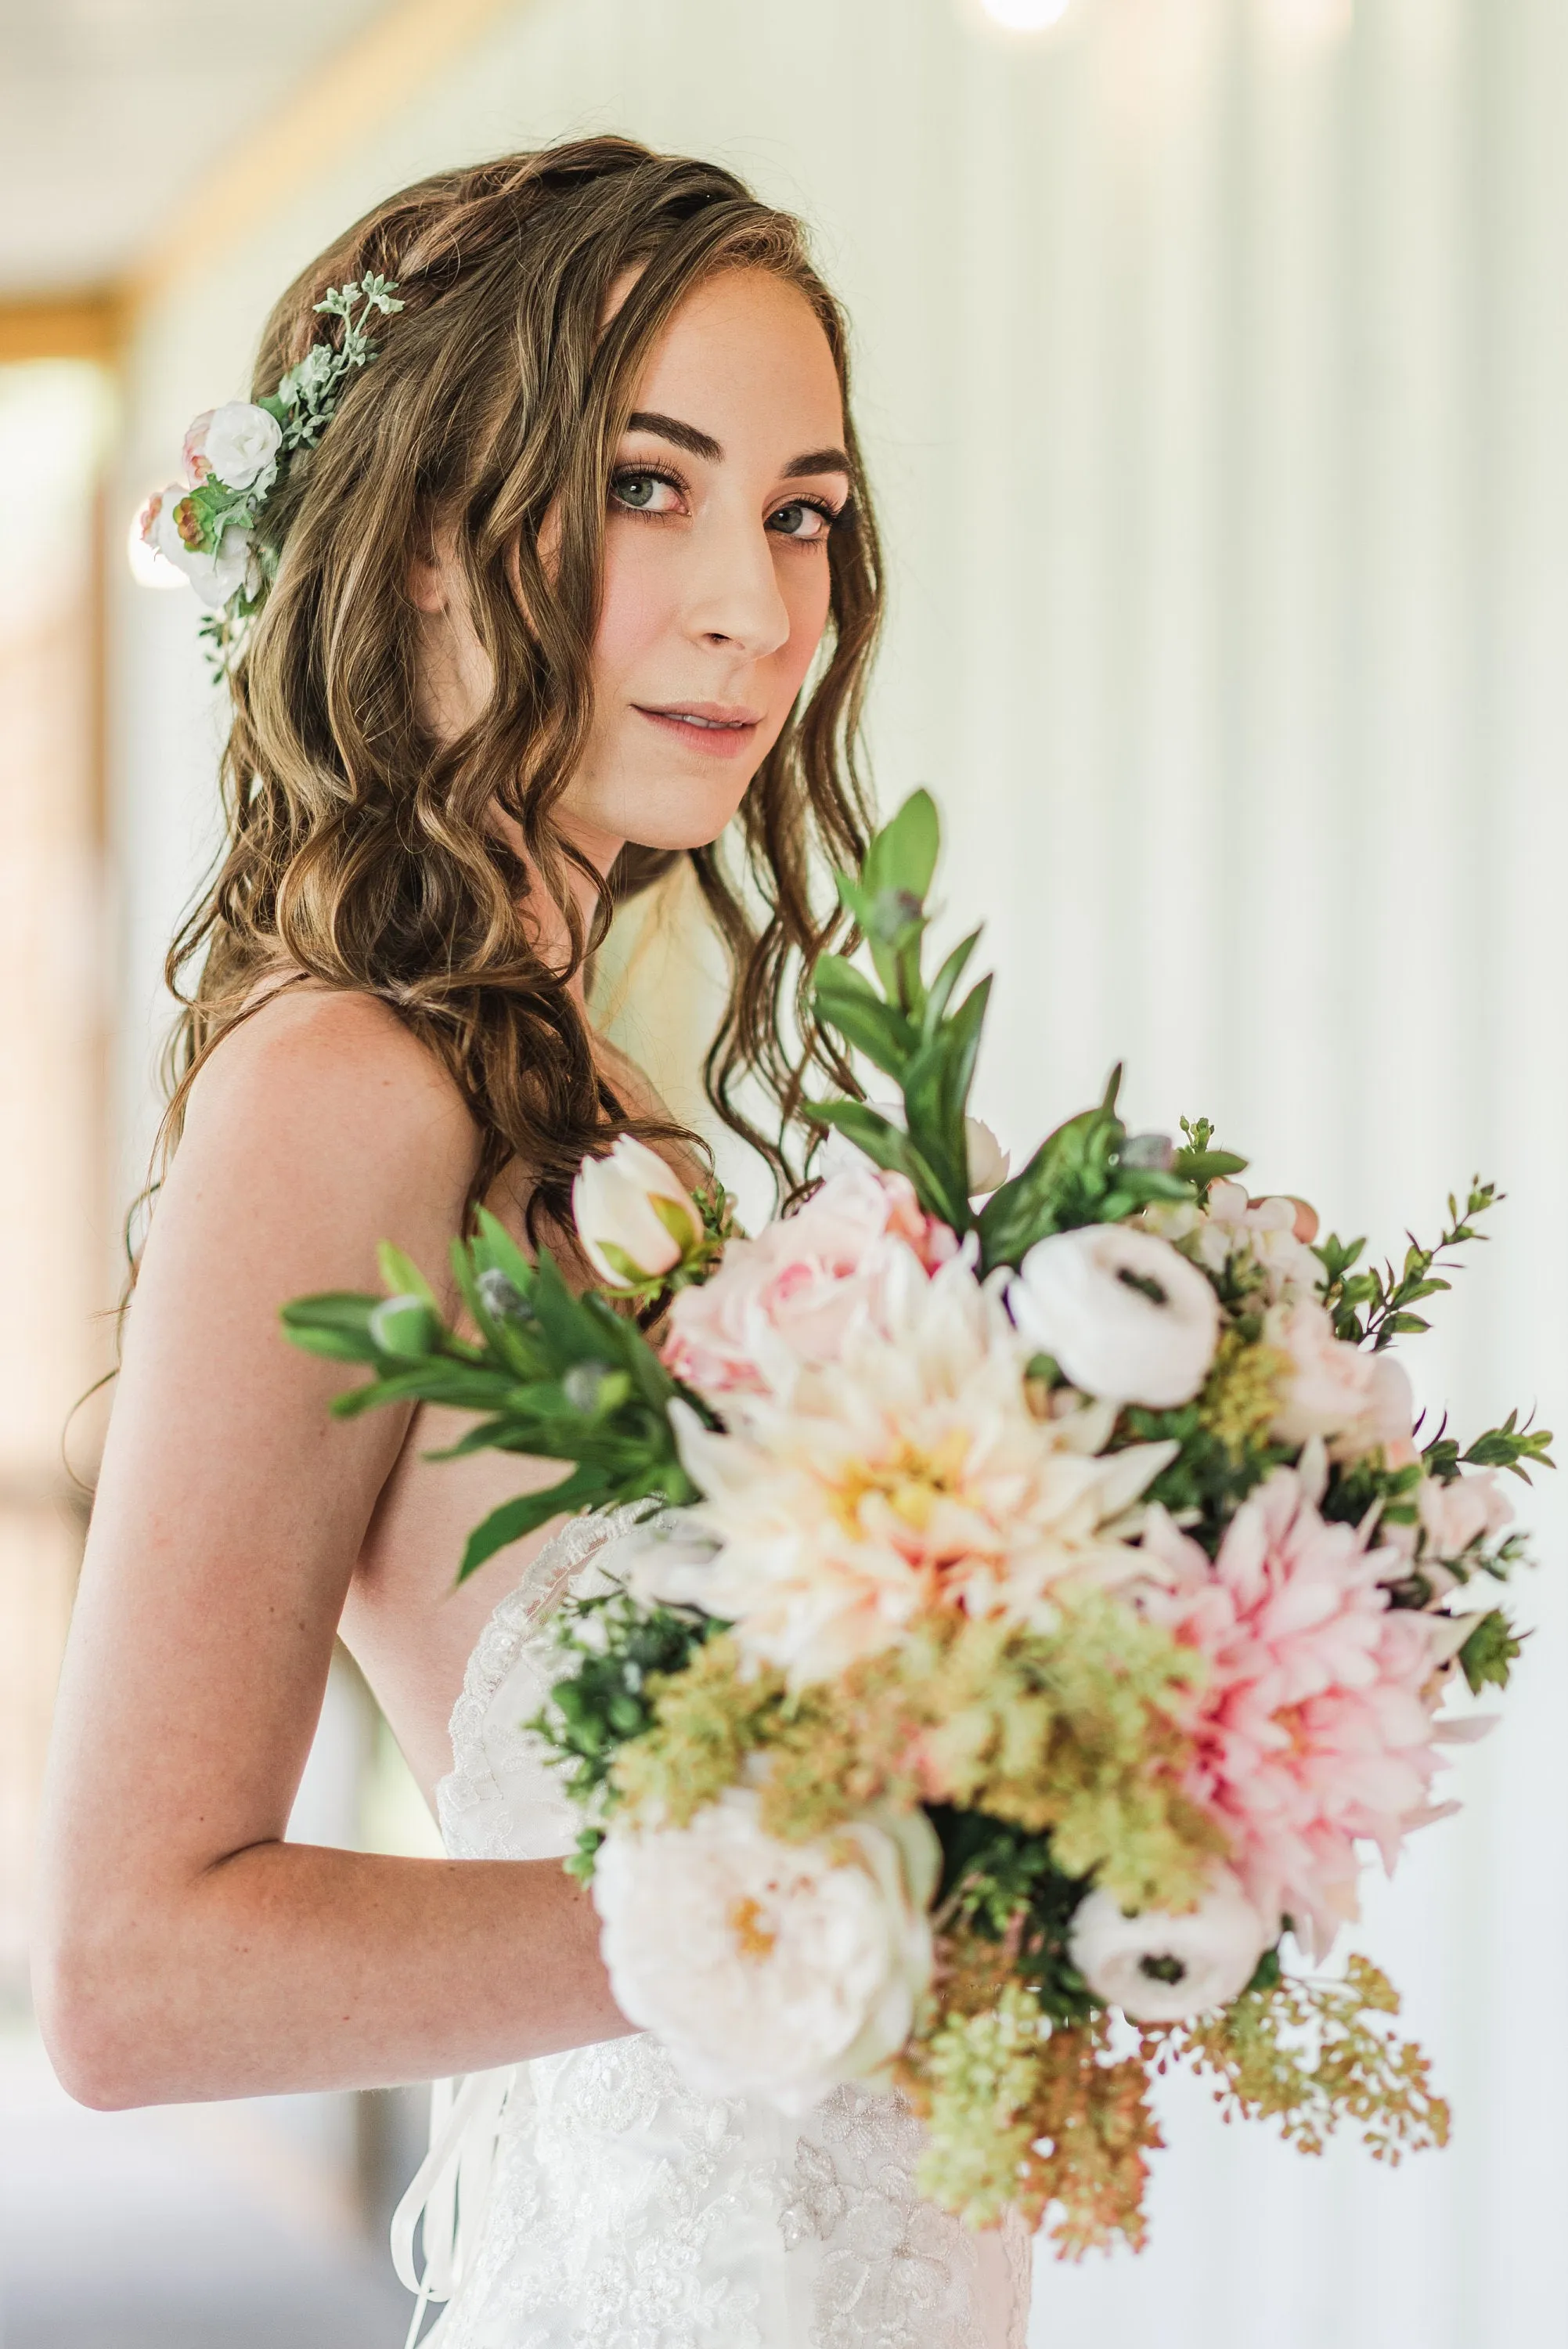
x: 1360, y: 1400
x: 799, y: 1283
x: 1315, y: 1726
x: 1470, y: 1509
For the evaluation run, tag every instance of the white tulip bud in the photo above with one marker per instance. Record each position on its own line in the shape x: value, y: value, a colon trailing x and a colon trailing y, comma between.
x: 988, y: 1162
x: 634, y: 1218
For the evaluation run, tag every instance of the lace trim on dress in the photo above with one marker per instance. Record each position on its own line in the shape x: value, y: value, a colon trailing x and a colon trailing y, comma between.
x: 477, y: 1818
x: 897, y: 2273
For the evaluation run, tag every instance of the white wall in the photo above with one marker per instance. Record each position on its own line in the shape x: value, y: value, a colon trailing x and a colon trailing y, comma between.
x: 1211, y: 368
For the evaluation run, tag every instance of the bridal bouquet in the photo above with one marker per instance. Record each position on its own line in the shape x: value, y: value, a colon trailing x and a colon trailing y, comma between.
x: 1040, y: 1604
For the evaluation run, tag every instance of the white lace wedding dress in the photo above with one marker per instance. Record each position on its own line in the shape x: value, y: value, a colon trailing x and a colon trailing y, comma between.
x: 591, y: 2200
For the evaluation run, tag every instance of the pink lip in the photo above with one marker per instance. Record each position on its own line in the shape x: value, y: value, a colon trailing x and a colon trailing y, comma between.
x: 730, y: 728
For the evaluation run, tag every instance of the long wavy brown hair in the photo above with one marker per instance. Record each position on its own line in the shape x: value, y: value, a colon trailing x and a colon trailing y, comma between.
x: 363, y: 853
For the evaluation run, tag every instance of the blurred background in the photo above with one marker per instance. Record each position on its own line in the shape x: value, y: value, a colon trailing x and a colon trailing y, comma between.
x: 1213, y: 360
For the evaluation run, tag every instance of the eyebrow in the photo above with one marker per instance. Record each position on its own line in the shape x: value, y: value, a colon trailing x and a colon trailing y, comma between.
x: 703, y: 444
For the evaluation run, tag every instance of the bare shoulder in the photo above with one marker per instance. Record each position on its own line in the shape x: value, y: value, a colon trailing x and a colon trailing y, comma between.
x: 319, y: 1124
x: 315, y: 1052
x: 339, y: 1066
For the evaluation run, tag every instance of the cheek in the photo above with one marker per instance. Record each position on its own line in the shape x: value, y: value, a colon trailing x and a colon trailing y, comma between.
x: 806, y: 589
x: 636, y: 607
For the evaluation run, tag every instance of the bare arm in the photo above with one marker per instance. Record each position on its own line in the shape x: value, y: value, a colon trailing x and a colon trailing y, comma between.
x: 188, y: 1951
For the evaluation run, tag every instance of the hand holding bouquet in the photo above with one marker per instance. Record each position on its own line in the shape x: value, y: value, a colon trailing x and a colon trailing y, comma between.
x: 1042, y: 1600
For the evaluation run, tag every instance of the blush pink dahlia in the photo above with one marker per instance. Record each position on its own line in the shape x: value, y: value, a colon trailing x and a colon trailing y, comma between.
x: 1316, y: 1725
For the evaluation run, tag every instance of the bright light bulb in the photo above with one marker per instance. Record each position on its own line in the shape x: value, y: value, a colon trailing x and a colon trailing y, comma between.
x: 1025, y: 16
x: 147, y: 567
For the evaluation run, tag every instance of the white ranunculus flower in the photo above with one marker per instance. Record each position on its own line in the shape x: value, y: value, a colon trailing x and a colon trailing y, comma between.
x: 634, y: 1217
x: 1158, y: 1968
x: 238, y: 443
x: 1123, y: 1313
x: 770, y: 1969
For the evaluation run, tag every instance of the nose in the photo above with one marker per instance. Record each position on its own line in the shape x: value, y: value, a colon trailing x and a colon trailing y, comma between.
x: 735, y: 598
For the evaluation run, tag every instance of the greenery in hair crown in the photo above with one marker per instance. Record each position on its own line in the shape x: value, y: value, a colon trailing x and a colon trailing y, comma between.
x: 207, y: 524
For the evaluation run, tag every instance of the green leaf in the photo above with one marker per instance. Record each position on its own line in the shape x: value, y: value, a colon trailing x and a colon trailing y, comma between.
x: 1061, y: 1186
x: 846, y: 1000
x: 885, y: 1145
x: 495, y: 1249
x: 681, y: 1223
x: 1405, y: 1325
x: 902, y: 855
x: 402, y: 1275
x: 1203, y: 1167
x: 335, y: 1324
x: 583, y: 1489
x: 407, y: 1327
x: 941, y: 990
x: 1490, y: 1654
x: 961, y: 1035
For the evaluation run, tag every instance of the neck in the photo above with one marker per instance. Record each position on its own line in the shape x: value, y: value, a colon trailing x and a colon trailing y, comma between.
x: 552, y: 937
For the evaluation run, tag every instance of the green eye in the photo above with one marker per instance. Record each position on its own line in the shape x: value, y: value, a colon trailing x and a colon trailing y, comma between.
x: 800, y: 519
x: 636, y: 489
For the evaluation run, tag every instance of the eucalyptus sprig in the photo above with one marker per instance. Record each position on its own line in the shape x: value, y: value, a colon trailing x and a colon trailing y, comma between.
x: 551, y: 1375
x: 306, y: 399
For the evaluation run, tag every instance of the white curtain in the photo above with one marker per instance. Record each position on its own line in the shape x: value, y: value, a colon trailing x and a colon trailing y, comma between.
x: 1213, y: 363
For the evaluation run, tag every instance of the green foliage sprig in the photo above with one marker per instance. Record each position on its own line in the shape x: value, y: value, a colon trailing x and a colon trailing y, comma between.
x: 1373, y: 1307
x: 306, y: 399
x: 549, y: 1374
x: 1090, y: 1170
x: 619, y: 1655
x: 1512, y: 1447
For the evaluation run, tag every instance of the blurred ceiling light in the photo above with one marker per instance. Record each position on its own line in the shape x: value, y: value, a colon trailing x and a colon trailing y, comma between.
x: 147, y: 567
x: 1313, y: 20
x: 1025, y: 16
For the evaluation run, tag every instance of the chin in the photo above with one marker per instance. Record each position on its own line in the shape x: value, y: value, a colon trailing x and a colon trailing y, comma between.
x: 673, y: 812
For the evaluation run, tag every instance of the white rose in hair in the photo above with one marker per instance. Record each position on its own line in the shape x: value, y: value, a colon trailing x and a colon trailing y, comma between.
x: 237, y: 442
x: 770, y: 1969
x: 1158, y: 1968
x: 634, y: 1219
x: 1126, y: 1316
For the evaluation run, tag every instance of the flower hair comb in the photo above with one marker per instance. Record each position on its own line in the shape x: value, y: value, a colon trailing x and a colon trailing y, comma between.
x: 206, y: 524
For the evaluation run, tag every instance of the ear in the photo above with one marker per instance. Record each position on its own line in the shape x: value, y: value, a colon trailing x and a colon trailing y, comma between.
x: 429, y: 584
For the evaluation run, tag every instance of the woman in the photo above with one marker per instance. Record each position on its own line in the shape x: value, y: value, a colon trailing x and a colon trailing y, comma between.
x: 581, y: 569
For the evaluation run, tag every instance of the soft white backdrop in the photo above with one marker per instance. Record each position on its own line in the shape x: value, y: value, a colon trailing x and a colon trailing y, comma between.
x: 1214, y: 364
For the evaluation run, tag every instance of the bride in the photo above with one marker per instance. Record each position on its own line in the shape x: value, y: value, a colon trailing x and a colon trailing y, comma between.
x: 581, y: 579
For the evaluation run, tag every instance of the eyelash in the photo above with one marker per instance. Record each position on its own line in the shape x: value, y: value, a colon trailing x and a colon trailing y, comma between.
x: 832, y: 515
